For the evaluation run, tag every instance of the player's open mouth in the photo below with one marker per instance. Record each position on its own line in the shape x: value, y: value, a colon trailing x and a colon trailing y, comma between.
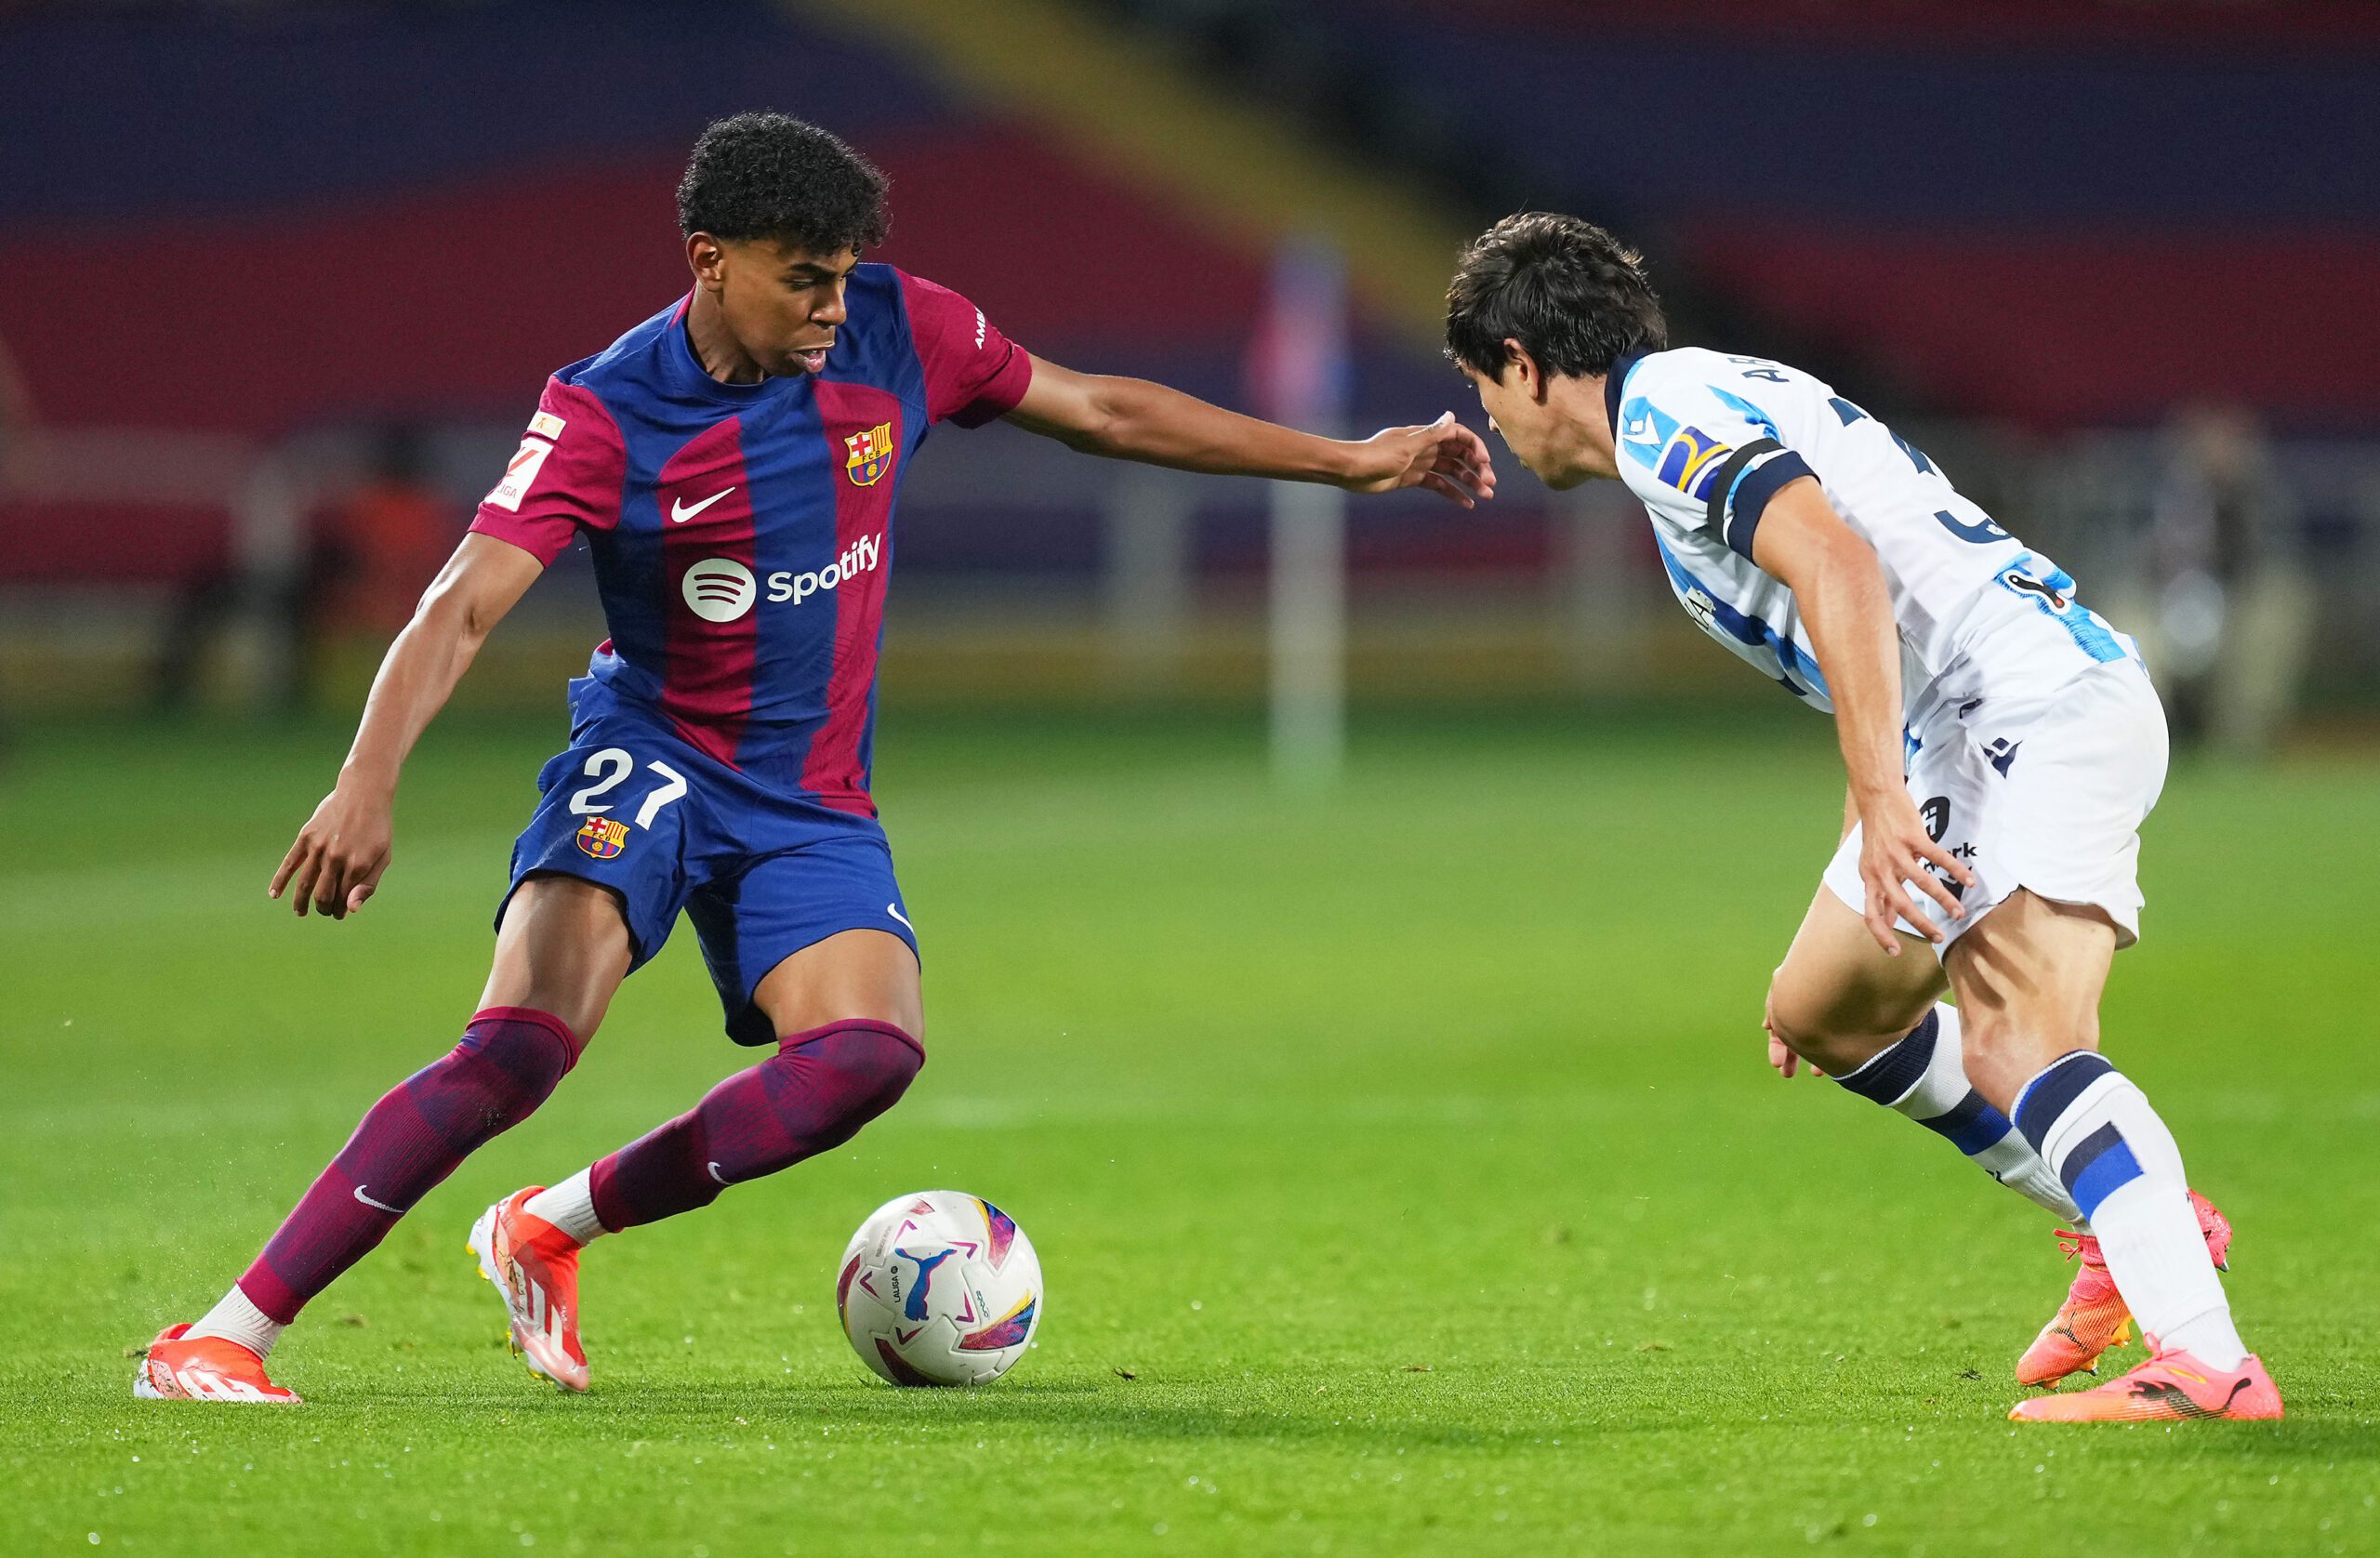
x: 813, y: 360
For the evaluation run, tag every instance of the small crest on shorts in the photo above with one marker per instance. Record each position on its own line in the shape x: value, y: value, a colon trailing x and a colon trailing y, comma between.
x: 869, y: 455
x: 602, y: 838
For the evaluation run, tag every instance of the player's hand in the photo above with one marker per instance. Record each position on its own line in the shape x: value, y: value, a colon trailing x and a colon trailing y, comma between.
x: 1894, y: 853
x: 1445, y: 456
x: 340, y: 853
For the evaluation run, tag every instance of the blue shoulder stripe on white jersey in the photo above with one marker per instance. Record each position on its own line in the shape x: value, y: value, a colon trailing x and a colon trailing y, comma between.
x: 1749, y: 411
x: 1745, y: 629
x: 1644, y: 432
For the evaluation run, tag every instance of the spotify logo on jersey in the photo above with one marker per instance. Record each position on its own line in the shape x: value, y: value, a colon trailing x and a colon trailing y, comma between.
x: 720, y: 590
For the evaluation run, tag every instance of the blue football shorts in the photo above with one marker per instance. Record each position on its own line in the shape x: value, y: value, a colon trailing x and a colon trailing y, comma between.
x: 632, y: 807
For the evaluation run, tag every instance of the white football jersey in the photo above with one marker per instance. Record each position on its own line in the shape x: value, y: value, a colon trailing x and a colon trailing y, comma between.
x: 1705, y: 440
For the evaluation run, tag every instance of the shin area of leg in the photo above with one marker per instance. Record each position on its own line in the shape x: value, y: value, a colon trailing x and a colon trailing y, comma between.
x: 2028, y: 978
x: 814, y: 1093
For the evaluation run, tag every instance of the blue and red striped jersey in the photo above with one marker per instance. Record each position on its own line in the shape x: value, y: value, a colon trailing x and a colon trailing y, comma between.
x: 742, y: 533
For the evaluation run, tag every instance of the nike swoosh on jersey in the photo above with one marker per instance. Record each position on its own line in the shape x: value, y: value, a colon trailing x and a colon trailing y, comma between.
x: 681, y: 510
x: 895, y: 910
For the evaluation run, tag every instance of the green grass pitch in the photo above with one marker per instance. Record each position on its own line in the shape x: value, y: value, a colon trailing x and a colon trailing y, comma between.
x: 1404, y: 1165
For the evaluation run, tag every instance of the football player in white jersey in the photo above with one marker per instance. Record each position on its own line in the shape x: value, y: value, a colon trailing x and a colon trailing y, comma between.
x: 2003, y: 744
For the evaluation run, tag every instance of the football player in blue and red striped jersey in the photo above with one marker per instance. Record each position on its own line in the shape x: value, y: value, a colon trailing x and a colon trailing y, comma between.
x: 732, y: 464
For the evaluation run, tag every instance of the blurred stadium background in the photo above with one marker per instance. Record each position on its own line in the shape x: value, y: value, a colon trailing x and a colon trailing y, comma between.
x: 279, y: 282
x: 1421, y: 1119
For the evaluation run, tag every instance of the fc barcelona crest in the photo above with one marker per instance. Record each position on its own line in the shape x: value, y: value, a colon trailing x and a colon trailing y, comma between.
x: 602, y: 838
x: 869, y: 455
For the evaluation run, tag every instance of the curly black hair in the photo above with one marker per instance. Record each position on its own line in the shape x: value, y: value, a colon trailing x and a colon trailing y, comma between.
x: 771, y: 176
x: 1572, y: 295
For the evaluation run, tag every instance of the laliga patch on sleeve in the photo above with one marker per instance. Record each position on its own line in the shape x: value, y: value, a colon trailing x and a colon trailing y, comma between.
x: 547, y: 425
x: 520, y: 474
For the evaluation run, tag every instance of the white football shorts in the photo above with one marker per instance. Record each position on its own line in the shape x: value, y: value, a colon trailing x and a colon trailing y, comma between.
x: 2045, y: 792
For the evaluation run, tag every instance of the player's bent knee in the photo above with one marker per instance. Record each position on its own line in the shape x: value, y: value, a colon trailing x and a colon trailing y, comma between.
x: 515, y: 1057
x: 1805, y: 1029
x: 861, y: 1066
x: 1833, y: 1055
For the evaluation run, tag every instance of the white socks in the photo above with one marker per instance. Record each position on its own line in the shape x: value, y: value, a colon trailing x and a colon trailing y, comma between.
x: 234, y: 1318
x: 1925, y: 1077
x: 569, y: 1205
x: 2089, y: 1122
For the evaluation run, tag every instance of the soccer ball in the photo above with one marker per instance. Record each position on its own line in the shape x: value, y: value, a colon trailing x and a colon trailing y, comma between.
x: 939, y: 1288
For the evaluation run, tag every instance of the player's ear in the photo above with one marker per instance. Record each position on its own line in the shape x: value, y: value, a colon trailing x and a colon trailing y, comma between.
x: 1517, y: 362
x: 707, y: 257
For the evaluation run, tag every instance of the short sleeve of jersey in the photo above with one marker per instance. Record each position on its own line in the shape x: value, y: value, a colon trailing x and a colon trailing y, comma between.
x: 565, y: 477
x: 973, y: 373
x: 1701, y: 456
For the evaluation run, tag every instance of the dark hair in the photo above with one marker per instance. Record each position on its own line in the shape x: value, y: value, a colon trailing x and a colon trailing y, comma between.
x: 1573, y: 296
x: 770, y: 176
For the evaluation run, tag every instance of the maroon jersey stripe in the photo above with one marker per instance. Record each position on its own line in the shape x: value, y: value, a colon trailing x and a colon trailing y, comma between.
x: 710, y: 578
x: 566, y: 477
x: 866, y: 441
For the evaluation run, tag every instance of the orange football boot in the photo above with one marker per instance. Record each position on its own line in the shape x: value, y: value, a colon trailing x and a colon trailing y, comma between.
x: 183, y: 1368
x: 2171, y: 1386
x: 2094, y: 1316
x: 535, y: 1267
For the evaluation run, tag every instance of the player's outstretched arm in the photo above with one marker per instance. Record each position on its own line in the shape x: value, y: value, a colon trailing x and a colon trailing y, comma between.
x: 1133, y: 420
x: 339, y: 857
x: 1840, y: 586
